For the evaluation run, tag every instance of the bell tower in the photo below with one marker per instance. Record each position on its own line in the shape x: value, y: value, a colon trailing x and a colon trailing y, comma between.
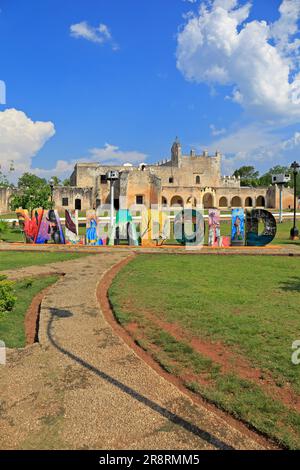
x: 176, y: 153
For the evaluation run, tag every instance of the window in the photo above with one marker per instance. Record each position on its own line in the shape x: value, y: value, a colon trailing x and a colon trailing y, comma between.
x: 139, y: 199
x: 171, y: 179
x: 197, y: 179
x: 103, y: 179
x: 65, y: 201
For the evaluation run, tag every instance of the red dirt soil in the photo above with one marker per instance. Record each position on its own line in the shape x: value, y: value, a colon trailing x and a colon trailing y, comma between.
x: 130, y: 337
x: 33, y: 311
x: 230, y: 362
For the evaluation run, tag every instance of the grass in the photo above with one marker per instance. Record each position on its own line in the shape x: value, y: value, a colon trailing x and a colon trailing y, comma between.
x: 250, y: 305
x: 15, y: 260
x: 12, y: 330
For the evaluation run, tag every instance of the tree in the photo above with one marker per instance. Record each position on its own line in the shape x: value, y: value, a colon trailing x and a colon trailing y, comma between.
x: 4, y: 183
x: 56, y: 181
x: 66, y: 182
x: 248, y: 174
x: 34, y: 192
x: 266, y: 178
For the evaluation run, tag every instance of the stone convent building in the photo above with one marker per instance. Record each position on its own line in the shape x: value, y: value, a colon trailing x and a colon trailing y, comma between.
x: 186, y: 180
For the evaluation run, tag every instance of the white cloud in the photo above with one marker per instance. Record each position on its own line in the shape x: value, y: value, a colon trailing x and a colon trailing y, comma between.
x: 62, y: 169
x: 255, y: 145
x: 21, y: 139
x: 259, y: 60
x: 99, y: 34
x: 107, y: 155
x: 215, y: 132
x: 112, y: 155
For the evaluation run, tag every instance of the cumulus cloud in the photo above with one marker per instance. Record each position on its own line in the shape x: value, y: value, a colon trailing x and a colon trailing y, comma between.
x: 219, y: 45
x: 21, y: 139
x: 215, y: 132
x: 107, y: 155
x: 112, y: 155
x: 99, y: 34
x: 255, y: 145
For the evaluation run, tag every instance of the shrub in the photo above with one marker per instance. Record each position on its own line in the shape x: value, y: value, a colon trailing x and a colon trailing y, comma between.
x: 3, y: 226
x: 7, y: 297
x: 26, y: 283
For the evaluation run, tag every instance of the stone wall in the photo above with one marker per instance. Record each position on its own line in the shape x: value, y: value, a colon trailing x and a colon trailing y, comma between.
x: 66, y: 197
x: 5, y: 195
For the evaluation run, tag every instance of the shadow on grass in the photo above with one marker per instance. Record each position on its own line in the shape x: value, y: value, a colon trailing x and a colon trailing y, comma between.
x: 172, y: 417
x: 293, y: 284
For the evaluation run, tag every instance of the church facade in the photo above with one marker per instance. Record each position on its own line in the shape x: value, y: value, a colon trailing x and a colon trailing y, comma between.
x: 185, y: 180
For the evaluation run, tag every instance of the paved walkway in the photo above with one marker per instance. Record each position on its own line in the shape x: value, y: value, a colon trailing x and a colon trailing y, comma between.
x: 82, y: 387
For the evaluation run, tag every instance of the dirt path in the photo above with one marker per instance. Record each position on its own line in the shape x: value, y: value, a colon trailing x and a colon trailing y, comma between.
x: 82, y: 387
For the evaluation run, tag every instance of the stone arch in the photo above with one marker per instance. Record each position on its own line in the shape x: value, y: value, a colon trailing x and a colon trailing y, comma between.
x: 208, y: 201
x: 177, y: 201
x: 164, y: 201
x: 223, y: 201
x: 197, y: 179
x: 192, y: 200
x: 248, y: 202
x: 260, y: 201
x: 236, y: 201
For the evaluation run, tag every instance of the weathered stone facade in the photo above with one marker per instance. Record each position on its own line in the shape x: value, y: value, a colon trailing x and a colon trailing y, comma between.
x: 187, y: 180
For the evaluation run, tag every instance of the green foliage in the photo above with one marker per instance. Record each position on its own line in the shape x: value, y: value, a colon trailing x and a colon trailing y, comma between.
x: 12, y: 330
x: 7, y: 297
x: 266, y: 178
x: 35, y: 192
x: 66, y: 182
x: 248, y: 174
x: 56, y: 180
x: 4, y: 183
x: 3, y: 226
x: 26, y: 283
x: 30, y: 180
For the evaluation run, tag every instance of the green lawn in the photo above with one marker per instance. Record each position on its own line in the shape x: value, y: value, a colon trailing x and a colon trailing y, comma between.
x: 16, y: 259
x: 12, y: 330
x: 251, y: 305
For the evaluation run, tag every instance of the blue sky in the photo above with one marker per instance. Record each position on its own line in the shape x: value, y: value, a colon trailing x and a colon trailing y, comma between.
x: 117, y: 80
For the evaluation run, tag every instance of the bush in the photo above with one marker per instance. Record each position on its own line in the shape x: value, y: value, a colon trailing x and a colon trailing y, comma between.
x: 3, y: 226
x: 7, y: 297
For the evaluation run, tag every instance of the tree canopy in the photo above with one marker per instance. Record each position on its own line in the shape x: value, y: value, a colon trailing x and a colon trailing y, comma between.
x: 4, y: 183
x: 34, y: 192
x: 248, y: 174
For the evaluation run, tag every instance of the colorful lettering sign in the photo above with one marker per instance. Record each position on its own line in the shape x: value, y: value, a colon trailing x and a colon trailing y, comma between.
x: 214, y: 229
x: 71, y: 227
x: 268, y: 233
x: 189, y: 227
x: 30, y: 225
x: 237, y: 227
x: 50, y: 229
